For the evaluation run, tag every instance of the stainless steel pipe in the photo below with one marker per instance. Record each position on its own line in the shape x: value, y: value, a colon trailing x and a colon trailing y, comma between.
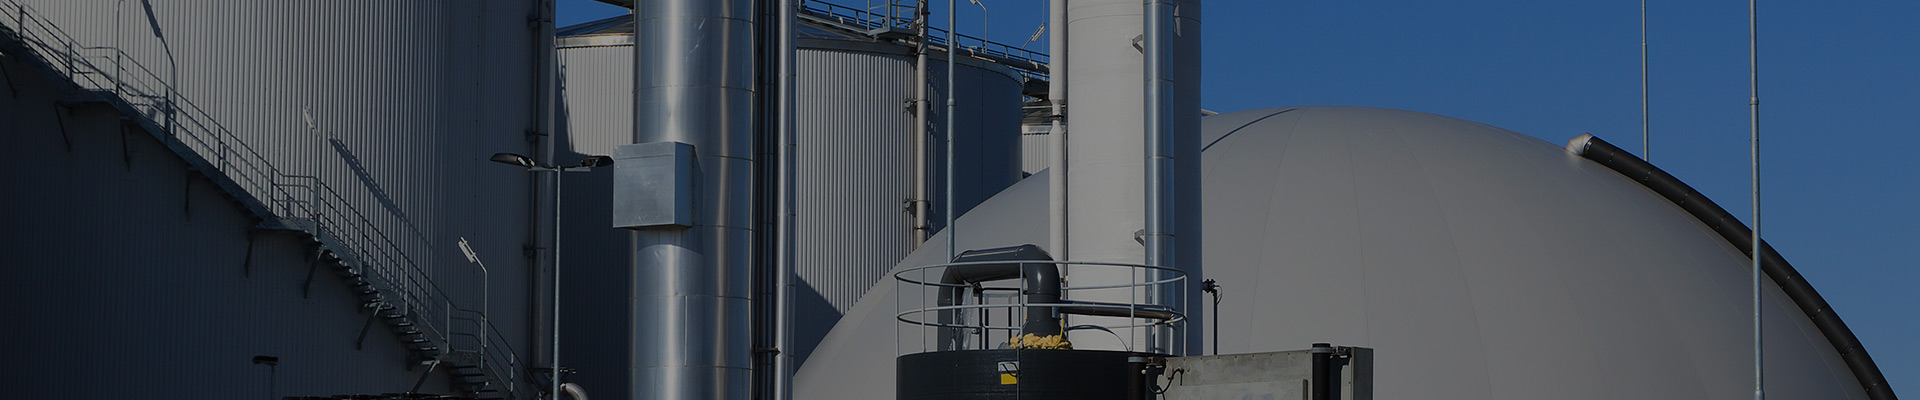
x: 694, y: 80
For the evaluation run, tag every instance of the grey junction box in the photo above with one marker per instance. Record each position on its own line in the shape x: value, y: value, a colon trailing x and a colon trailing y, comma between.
x: 653, y: 185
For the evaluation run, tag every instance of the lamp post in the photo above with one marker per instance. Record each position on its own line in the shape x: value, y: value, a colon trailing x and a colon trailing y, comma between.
x: 586, y: 164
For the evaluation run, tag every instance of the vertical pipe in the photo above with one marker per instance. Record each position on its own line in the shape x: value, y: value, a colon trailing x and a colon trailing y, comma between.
x: 1321, y: 358
x: 952, y: 57
x: 557, y: 171
x: 784, y: 317
x: 1753, y: 147
x: 695, y: 80
x: 1057, y: 133
x: 922, y: 192
x: 547, y: 145
x: 1646, y: 143
x: 1160, y: 200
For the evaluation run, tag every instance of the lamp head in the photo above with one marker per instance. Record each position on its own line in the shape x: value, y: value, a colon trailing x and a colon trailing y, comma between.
x: 596, y: 161
x: 513, y: 159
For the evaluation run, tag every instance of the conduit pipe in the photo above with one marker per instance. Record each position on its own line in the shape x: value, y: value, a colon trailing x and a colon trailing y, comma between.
x: 1775, y: 266
x: 1057, y: 133
x: 573, y: 391
x: 922, y: 193
x: 695, y: 66
x: 1160, y: 199
x: 784, y: 317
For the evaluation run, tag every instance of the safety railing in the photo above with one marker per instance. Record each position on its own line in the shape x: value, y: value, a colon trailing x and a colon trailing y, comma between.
x: 1141, y: 306
x: 1027, y: 62
x: 300, y: 202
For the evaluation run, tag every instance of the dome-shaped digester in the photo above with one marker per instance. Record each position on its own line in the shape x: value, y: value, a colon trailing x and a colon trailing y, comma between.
x: 1477, y: 262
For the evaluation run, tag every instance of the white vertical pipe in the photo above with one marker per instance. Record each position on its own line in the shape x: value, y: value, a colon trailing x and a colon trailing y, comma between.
x: 922, y: 192
x: 952, y: 57
x: 1753, y: 147
x: 1057, y: 133
x: 1104, y: 219
x: 784, y: 317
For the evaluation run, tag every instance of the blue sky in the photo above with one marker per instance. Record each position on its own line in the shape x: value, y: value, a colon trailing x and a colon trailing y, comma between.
x: 1840, y: 105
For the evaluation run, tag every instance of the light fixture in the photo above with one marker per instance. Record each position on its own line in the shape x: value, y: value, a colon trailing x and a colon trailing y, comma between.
x: 513, y: 159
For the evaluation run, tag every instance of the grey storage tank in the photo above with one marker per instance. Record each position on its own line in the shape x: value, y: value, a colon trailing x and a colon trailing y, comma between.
x: 855, y: 135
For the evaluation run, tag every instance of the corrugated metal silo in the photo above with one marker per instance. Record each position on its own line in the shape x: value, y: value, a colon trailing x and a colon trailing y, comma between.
x: 391, y: 106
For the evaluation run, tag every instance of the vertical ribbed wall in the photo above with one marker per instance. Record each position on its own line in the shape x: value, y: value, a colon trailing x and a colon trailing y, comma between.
x: 855, y: 169
x: 1034, y: 151
x: 394, y: 105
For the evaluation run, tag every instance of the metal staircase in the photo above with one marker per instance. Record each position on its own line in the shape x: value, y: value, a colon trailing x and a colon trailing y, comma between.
x: 391, y: 287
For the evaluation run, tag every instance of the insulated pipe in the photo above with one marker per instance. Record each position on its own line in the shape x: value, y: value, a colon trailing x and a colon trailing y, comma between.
x: 1057, y: 133
x: 573, y: 391
x: 1041, y: 285
x: 1775, y: 266
x: 1322, y: 360
x: 1160, y: 201
x: 784, y: 317
x: 694, y: 82
x: 543, y: 226
x: 922, y: 192
x: 952, y: 61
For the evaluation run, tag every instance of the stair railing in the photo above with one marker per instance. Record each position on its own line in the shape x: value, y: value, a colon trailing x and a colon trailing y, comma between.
x: 296, y: 202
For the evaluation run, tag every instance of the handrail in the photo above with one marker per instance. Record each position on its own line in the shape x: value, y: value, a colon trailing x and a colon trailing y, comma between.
x: 1155, y: 307
x: 300, y: 202
x: 1031, y: 63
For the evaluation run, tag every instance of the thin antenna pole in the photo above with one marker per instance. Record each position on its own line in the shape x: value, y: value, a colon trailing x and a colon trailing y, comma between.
x: 1753, y: 147
x: 951, y: 71
x: 1646, y: 142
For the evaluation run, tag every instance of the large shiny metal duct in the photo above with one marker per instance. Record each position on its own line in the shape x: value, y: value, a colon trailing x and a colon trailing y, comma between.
x: 694, y: 83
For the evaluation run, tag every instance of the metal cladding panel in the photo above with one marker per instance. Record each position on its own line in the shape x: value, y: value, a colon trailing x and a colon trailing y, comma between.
x: 394, y: 106
x: 1034, y: 151
x: 1468, y: 256
x: 129, y: 268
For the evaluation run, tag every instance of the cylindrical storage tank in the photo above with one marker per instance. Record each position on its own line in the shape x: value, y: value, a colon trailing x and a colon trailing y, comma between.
x: 372, y: 120
x: 855, y: 141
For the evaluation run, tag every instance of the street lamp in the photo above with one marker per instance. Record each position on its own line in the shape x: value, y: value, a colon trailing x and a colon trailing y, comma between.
x: 586, y: 164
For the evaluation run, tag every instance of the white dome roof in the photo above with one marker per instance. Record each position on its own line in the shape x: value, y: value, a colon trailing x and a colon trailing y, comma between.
x: 1478, y: 263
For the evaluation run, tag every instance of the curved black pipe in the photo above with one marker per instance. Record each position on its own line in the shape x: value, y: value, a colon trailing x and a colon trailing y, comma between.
x: 1042, y: 286
x: 1737, y: 233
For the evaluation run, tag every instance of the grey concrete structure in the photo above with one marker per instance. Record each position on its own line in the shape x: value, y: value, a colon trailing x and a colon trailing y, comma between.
x: 1476, y: 261
x: 1279, y: 375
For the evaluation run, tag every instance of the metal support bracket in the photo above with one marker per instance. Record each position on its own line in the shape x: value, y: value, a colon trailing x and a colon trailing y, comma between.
x: 423, y: 376
x: 246, y: 265
x: 126, y: 155
x: 14, y: 91
x: 360, y: 343
x: 57, y: 119
x: 313, y: 263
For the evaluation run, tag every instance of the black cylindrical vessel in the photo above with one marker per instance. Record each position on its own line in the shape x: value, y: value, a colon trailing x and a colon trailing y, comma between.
x: 1025, y: 373
x: 1322, y: 371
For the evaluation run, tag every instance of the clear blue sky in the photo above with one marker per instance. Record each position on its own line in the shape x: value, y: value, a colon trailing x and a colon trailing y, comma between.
x: 1840, y: 106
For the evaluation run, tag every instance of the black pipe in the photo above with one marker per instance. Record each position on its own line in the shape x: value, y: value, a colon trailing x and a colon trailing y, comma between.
x: 1322, y: 358
x: 1042, y: 286
x: 1738, y: 234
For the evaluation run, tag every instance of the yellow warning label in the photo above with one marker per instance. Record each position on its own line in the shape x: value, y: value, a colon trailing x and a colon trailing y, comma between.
x: 1009, y: 372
